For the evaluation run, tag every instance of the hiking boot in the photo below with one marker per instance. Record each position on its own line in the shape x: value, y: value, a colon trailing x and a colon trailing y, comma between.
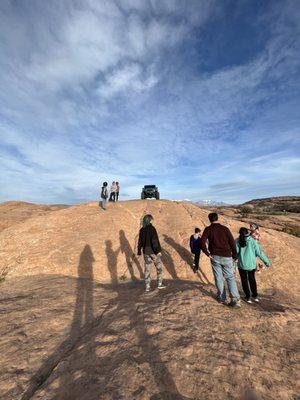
x: 256, y: 299
x: 249, y: 301
x: 161, y: 286
x: 235, y: 304
x: 221, y: 301
x: 148, y: 288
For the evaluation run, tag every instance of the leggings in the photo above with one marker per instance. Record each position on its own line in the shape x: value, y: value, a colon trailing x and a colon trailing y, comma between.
x: 248, y: 277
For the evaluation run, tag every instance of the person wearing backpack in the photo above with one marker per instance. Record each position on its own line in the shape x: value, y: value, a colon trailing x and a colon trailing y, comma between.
x: 248, y: 249
x: 150, y: 245
x: 195, y: 245
x: 104, y: 196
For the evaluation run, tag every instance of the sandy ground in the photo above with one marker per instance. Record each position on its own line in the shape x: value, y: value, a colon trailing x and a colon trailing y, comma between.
x: 69, y: 329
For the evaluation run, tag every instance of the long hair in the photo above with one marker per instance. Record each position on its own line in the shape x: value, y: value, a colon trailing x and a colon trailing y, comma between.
x: 147, y: 220
x: 244, y: 233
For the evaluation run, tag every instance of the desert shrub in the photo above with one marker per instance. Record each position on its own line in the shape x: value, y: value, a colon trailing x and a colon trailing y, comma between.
x: 291, y: 230
x: 261, y: 217
x: 245, y: 210
x: 123, y: 278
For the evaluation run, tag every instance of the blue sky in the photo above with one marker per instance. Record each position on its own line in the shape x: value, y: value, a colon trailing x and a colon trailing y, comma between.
x: 199, y: 97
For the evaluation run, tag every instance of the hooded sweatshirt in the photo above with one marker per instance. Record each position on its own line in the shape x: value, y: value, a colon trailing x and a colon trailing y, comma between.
x: 247, y: 255
x: 148, y: 241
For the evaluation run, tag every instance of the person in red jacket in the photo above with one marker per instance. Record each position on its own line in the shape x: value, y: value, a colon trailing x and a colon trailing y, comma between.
x: 222, y: 252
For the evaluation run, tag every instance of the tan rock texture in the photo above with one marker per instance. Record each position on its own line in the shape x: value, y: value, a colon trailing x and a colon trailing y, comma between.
x: 75, y: 322
x: 13, y: 212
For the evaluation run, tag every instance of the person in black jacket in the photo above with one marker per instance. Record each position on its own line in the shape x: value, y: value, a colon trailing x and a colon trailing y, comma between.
x: 195, y: 245
x: 149, y: 244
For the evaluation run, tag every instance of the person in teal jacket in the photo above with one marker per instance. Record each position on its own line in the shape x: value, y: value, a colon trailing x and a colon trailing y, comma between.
x: 248, y: 249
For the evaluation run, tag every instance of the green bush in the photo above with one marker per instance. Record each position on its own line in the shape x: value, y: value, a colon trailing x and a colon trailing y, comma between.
x: 291, y: 230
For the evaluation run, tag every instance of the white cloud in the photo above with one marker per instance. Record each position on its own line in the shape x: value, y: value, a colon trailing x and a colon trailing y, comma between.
x: 96, y: 89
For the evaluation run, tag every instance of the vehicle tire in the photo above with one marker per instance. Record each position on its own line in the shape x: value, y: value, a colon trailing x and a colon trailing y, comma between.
x: 157, y: 196
x: 142, y: 196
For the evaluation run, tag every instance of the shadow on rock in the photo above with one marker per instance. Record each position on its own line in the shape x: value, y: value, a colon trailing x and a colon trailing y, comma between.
x: 131, y: 259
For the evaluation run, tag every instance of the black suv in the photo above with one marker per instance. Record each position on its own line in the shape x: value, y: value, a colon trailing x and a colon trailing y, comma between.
x: 150, y: 191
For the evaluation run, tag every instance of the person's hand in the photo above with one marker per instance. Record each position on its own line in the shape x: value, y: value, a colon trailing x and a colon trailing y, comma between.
x: 159, y: 254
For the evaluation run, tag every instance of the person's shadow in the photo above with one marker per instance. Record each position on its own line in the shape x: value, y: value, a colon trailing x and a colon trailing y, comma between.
x: 186, y: 256
x: 83, y: 317
x: 169, y: 263
x: 112, y: 260
x: 131, y: 258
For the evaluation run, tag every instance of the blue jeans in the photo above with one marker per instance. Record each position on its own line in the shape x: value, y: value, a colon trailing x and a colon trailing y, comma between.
x: 223, y: 268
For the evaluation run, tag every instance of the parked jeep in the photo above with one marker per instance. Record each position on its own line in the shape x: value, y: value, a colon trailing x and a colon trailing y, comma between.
x: 150, y: 191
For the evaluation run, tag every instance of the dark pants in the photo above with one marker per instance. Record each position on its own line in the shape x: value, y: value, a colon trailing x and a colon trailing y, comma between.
x: 112, y: 196
x: 196, y: 260
x: 248, y: 277
x: 117, y: 196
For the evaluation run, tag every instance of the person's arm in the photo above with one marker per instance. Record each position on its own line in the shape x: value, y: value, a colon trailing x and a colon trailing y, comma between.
x: 237, y: 244
x: 204, y: 238
x: 155, y: 242
x: 191, y: 243
x: 260, y: 254
x: 140, y: 242
x: 232, y: 244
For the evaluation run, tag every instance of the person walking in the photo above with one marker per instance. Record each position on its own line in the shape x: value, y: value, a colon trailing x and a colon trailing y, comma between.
x: 117, y: 190
x: 113, y: 188
x: 222, y: 252
x: 149, y: 243
x: 248, y: 249
x: 195, y: 245
x: 103, y: 195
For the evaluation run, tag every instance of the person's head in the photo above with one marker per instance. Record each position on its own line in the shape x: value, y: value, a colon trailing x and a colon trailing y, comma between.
x: 197, y: 231
x: 254, y: 226
x: 117, y: 183
x: 147, y: 220
x: 244, y: 233
x: 213, y: 217
x: 113, y: 182
x: 104, y: 184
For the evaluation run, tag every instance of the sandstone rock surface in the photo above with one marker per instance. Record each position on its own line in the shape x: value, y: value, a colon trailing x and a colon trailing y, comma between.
x: 75, y: 322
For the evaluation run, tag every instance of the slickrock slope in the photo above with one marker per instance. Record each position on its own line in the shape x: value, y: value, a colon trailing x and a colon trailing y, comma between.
x: 75, y: 322
x: 13, y: 212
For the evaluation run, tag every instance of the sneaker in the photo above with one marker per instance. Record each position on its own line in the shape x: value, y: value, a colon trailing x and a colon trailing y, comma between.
x: 235, y: 304
x: 161, y: 286
x: 221, y: 301
x: 147, y: 289
x: 256, y: 299
x: 249, y: 301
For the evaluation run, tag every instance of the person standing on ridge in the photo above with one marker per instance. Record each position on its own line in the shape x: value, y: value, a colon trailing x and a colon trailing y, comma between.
x: 103, y: 195
x: 113, y: 188
x: 195, y: 245
x: 117, y: 190
x: 149, y: 244
x: 221, y: 251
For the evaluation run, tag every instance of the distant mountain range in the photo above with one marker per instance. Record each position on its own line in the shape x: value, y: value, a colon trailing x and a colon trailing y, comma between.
x: 207, y: 203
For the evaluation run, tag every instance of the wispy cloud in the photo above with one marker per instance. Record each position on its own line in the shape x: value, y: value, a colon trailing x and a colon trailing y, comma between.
x: 131, y: 90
